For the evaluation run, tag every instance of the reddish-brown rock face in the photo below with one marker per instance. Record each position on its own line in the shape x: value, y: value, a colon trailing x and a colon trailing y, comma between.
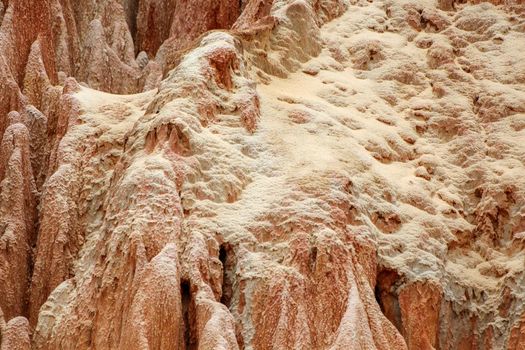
x: 180, y: 22
x: 306, y: 174
x: 18, y: 209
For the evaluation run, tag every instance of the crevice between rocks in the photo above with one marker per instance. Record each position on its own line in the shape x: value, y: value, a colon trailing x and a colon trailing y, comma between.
x: 229, y: 263
x: 387, y: 283
x: 227, y: 260
x: 132, y: 9
x: 188, y: 315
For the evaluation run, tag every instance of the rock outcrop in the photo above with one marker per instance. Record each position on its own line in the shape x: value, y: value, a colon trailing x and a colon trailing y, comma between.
x: 258, y: 174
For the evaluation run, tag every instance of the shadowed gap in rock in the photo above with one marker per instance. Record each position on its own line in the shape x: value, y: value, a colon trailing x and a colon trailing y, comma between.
x: 387, y: 282
x: 132, y: 8
x: 1, y: 12
x: 188, y: 315
x: 227, y: 261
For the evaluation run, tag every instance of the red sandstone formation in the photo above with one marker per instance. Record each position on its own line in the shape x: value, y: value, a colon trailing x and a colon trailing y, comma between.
x: 286, y: 174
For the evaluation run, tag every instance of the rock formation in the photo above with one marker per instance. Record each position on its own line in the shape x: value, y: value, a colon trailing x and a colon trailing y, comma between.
x: 258, y: 174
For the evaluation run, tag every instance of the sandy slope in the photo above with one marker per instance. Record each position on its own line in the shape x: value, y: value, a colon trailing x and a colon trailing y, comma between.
x: 338, y: 175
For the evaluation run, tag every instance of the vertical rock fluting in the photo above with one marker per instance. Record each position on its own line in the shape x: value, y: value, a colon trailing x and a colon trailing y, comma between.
x: 314, y: 174
x: 18, y: 213
x: 212, y: 15
x: 15, y: 334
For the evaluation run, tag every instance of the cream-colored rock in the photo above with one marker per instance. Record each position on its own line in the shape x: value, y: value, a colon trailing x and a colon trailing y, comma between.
x: 287, y: 174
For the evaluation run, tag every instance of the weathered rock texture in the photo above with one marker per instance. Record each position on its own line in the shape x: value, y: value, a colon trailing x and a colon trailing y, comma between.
x: 258, y: 174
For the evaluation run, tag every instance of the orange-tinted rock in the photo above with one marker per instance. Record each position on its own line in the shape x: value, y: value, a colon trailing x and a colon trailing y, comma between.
x: 420, y: 305
x: 212, y: 15
x: 517, y: 335
x: 15, y: 334
x: 18, y: 216
x: 154, y: 19
x: 253, y: 11
x: 313, y: 174
x: 330, y: 306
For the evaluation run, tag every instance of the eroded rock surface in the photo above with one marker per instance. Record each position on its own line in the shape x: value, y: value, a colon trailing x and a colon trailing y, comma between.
x: 258, y: 174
